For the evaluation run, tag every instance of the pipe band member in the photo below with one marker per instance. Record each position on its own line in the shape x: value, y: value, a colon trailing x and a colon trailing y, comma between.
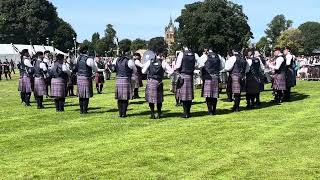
x: 210, y: 64
x: 26, y: 71
x: 236, y: 66
x: 279, y: 79
x: 40, y: 75
x: 155, y: 68
x: 85, y: 69
x: 125, y: 68
x: 185, y: 66
x: 59, y: 73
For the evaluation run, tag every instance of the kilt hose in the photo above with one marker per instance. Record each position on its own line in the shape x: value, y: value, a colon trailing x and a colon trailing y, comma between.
x: 279, y: 82
x: 58, y: 88
x: 85, y: 89
x: 253, y: 84
x: 211, y: 88
x: 25, y: 84
x: 154, y: 91
x: 40, y: 88
x: 186, y: 92
x: 123, y: 88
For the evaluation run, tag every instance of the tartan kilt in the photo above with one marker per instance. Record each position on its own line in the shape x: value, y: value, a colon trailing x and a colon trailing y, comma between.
x: 40, y: 88
x: 236, y: 83
x: 123, y: 88
x: 154, y: 91
x: 58, y: 88
x: 290, y: 78
x: 186, y: 93
x: 85, y: 89
x: 279, y: 82
x: 99, y: 78
x: 253, y: 84
x: 25, y: 84
x: 211, y: 88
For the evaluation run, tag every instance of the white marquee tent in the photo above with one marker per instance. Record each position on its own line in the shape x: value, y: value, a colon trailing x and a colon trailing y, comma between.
x: 7, y: 51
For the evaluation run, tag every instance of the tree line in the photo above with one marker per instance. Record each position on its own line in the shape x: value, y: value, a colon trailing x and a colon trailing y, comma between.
x: 303, y: 40
x: 34, y: 21
x: 221, y: 24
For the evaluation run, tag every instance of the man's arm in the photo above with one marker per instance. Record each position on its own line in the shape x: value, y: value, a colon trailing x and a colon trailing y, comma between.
x: 92, y: 64
x: 146, y: 67
x: 132, y: 66
x: 179, y: 61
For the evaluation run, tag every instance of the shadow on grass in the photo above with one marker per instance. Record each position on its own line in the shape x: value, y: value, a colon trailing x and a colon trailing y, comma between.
x: 137, y: 102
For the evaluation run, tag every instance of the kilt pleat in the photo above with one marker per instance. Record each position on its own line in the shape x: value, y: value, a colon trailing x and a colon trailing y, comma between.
x: 25, y: 84
x: 154, y: 91
x: 123, y: 89
x: 236, y: 83
x: 186, y: 92
x: 40, y: 88
x: 58, y: 86
x: 85, y: 89
x: 279, y: 81
x: 211, y: 88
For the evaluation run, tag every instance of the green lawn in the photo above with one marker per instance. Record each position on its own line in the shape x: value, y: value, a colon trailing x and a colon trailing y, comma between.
x: 274, y: 142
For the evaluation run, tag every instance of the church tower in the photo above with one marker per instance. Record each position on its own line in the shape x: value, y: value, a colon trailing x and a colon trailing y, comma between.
x: 170, y: 31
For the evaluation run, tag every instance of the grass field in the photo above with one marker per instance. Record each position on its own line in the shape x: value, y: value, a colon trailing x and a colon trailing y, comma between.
x: 274, y: 142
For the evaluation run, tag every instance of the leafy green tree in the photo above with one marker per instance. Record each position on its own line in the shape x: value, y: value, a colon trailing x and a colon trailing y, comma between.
x: 292, y: 38
x: 138, y: 44
x: 311, y: 33
x: 158, y: 44
x: 276, y: 26
x: 125, y: 44
x: 264, y: 46
x: 33, y: 20
x: 218, y: 23
x: 110, y: 35
x: 63, y: 36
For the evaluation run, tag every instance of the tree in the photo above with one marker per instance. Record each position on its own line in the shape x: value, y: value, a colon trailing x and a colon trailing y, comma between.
x: 158, y: 44
x: 95, y: 38
x: 276, y: 26
x: 311, y: 33
x: 110, y: 34
x: 63, y: 36
x: 138, y: 44
x: 292, y: 38
x: 218, y: 23
x: 125, y: 44
x: 264, y: 46
x: 33, y: 20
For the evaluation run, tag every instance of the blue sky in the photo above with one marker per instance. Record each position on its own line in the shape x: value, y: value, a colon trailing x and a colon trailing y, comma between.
x: 147, y: 18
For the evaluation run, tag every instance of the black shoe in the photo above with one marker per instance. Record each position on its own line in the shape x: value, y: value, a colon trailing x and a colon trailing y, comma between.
x: 235, y: 109
x: 152, y: 116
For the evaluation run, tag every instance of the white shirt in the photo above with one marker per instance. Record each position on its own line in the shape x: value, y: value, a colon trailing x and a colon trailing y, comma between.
x: 289, y: 58
x: 166, y: 67
x: 279, y: 61
x: 27, y: 62
x: 203, y: 59
x: 180, y: 57
x: 43, y: 66
x: 230, y: 63
x: 138, y: 63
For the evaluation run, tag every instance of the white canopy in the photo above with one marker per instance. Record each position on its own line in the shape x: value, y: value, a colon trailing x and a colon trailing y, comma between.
x: 7, y: 51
